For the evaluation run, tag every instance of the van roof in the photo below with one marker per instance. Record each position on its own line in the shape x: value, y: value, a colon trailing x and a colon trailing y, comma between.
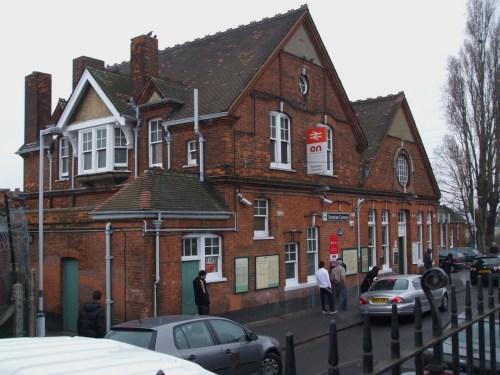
x: 83, y: 355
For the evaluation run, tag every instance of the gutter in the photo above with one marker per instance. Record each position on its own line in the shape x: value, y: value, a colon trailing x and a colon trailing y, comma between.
x: 200, y: 136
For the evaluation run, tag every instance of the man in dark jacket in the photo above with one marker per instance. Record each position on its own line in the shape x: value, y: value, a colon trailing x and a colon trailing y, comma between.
x: 201, y: 297
x: 428, y: 260
x: 91, y: 318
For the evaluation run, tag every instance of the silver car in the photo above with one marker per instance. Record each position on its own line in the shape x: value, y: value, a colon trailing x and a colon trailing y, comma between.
x: 205, y: 340
x: 400, y: 290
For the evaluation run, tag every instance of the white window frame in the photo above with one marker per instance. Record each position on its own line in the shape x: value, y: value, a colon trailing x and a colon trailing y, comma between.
x: 155, y: 140
x: 312, y: 253
x: 208, y: 246
x: 120, y: 142
x: 420, y: 236
x: 191, y: 153
x: 403, y: 170
x: 385, y: 239
x: 280, y: 136
x: 97, y: 146
x: 291, y: 261
x: 330, y: 171
x: 429, y: 230
x: 63, y: 158
x: 261, y: 212
x: 372, y: 236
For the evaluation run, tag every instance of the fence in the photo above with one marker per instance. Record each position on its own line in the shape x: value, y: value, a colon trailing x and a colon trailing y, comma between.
x: 429, y: 353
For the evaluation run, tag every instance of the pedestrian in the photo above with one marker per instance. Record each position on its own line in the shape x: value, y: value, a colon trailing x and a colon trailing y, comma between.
x: 447, y: 265
x: 201, y: 296
x: 325, y: 289
x: 428, y: 260
x: 343, y: 264
x: 91, y: 318
x: 369, y: 278
x: 493, y: 248
x: 338, y: 276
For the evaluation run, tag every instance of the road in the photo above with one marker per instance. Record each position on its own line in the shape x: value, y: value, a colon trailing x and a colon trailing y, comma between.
x: 312, y: 357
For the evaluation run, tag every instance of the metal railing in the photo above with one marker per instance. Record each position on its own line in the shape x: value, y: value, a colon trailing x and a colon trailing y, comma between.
x: 427, y: 354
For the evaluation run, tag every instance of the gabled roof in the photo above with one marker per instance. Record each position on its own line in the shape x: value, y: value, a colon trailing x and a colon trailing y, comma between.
x: 169, y: 193
x: 444, y: 212
x: 220, y: 66
x: 375, y: 117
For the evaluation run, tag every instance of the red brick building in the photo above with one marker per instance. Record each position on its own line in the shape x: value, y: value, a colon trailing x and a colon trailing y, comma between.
x: 238, y: 153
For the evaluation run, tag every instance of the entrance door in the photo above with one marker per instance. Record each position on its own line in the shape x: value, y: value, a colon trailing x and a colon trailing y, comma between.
x: 402, y: 255
x: 189, y: 272
x: 70, y: 293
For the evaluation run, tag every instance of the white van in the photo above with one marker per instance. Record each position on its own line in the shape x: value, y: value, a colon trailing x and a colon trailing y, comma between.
x: 82, y: 355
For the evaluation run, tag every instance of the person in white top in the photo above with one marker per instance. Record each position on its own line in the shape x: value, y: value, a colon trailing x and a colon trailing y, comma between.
x: 325, y: 289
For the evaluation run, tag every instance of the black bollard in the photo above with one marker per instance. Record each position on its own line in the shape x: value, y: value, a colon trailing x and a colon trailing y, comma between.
x: 333, y: 351
x: 290, y: 355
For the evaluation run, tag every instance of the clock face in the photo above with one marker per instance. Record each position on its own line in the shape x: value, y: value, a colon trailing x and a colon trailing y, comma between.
x: 303, y: 84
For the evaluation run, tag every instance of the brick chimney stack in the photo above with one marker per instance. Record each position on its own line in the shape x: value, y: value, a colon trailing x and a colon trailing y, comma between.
x: 37, y: 104
x: 143, y: 62
x: 81, y: 63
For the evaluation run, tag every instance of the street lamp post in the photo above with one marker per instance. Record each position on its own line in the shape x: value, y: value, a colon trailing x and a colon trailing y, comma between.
x: 358, y: 209
x: 40, y: 316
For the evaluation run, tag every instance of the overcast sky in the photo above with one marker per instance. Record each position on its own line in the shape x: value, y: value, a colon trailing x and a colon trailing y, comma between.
x: 377, y: 47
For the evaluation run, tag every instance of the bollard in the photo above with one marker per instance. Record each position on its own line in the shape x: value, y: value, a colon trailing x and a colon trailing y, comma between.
x: 290, y: 355
x: 333, y: 351
x: 367, y: 345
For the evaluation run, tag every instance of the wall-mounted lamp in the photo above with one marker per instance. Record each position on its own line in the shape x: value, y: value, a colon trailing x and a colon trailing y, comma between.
x: 325, y: 200
x: 244, y: 201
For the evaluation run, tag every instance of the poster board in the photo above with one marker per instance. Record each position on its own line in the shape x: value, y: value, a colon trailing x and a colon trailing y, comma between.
x: 267, y: 271
x: 241, y: 275
x: 350, y: 258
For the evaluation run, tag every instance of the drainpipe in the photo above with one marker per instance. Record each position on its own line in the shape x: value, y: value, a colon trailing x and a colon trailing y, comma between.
x: 50, y: 155
x: 157, y: 224
x: 200, y: 136
x: 136, y: 132
x: 168, y: 138
x: 109, y: 301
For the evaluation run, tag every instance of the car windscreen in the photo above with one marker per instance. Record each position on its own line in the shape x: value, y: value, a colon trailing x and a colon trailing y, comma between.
x: 491, y: 261
x: 142, y: 338
x: 390, y: 284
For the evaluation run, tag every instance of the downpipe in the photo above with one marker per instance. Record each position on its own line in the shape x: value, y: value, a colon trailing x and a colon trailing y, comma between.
x: 109, y: 301
x: 157, y: 223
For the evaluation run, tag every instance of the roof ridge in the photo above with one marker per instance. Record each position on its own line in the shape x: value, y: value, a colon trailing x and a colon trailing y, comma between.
x: 401, y: 93
x: 109, y: 70
x: 240, y: 27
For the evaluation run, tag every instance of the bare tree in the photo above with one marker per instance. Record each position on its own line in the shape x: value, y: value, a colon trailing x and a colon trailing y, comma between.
x: 468, y: 162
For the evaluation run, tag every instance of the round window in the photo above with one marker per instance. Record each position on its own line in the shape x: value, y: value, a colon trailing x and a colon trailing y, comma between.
x: 402, y: 170
x: 303, y: 84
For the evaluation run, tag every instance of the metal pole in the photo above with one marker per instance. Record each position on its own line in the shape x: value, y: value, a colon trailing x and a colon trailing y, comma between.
x: 358, y: 209
x: 40, y: 316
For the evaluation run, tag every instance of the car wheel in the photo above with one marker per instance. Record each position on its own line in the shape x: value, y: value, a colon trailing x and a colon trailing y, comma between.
x: 444, y: 303
x: 271, y: 364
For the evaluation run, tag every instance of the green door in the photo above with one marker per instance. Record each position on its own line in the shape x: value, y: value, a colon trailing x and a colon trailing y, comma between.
x: 189, y: 273
x: 70, y: 293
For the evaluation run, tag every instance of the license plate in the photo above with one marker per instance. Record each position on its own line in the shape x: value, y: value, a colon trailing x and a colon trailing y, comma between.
x: 379, y: 300
x: 484, y: 271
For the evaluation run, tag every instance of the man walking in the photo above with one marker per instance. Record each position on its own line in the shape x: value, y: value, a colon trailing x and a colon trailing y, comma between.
x: 201, y: 297
x: 325, y: 289
x: 91, y: 318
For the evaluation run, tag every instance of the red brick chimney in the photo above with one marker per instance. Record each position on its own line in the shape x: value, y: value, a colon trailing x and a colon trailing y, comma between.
x: 81, y: 63
x: 143, y: 62
x: 37, y: 104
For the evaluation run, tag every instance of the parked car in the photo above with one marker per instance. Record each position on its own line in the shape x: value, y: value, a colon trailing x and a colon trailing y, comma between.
x: 458, y: 259
x: 83, y: 355
x: 205, y: 340
x: 487, y: 266
x: 462, y: 347
x: 400, y: 290
x: 469, y: 254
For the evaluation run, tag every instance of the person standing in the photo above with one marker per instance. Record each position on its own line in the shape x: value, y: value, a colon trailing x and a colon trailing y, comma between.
x: 428, y: 260
x: 447, y: 265
x: 91, y: 318
x: 201, y: 296
x: 493, y: 248
x: 325, y: 289
x: 368, y: 280
x: 338, y: 277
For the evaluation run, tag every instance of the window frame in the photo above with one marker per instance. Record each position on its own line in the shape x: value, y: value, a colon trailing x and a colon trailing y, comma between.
x: 385, y: 238
x: 122, y: 140
x: 64, y: 158
x: 372, y: 237
x: 429, y: 230
x: 281, y: 124
x: 420, y: 238
x: 312, y: 240
x: 201, y: 246
x: 95, y: 149
x: 154, y: 141
x: 292, y: 257
x: 191, y: 153
x: 403, y: 170
x: 258, y: 213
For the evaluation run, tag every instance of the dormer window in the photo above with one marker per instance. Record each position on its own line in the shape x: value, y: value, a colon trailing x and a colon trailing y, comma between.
x: 155, y: 143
